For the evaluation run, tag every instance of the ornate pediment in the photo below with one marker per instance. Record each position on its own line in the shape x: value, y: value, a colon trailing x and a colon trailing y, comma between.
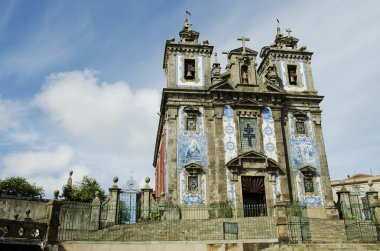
x: 193, y: 168
x: 252, y: 156
x: 308, y: 171
x: 252, y: 160
x: 247, y: 51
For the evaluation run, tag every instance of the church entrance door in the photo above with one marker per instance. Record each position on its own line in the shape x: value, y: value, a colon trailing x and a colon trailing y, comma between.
x: 253, y: 196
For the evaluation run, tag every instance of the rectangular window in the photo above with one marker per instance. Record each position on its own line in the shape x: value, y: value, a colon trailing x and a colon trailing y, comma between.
x: 189, y: 73
x: 192, y: 183
x: 191, y: 124
x: 292, y: 74
x: 248, y: 134
x: 300, y: 127
x: 308, y: 184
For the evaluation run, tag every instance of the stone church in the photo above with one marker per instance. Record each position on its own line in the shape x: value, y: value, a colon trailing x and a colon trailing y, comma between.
x: 250, y: 135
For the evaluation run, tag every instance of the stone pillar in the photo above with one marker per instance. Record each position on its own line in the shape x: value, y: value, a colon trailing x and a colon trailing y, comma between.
x: 282, y: 221
x: 282, y: 155
x: 220, y: 188
x: 113, y: 204
x: 344, y: 202
x: 95, y: 212
x: 53, y: 211
x: 173, y: 181
x: 372, y: 197
x: 146, y: 194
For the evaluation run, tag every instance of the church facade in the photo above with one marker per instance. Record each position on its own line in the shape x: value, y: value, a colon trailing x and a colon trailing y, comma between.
x: 249, y: 135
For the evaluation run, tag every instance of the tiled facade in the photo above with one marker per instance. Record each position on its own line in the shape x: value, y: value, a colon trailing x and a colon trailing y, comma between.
x: 246, y: 122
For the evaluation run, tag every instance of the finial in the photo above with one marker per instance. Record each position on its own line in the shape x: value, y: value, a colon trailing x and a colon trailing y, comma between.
x: 115, y: 180
x: 216, y: 58
x: 70, y: 180
x: 288, y: 30
x: 147, y: 180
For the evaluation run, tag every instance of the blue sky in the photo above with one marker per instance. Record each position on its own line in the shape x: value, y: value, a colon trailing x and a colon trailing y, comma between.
x: 80, y: 81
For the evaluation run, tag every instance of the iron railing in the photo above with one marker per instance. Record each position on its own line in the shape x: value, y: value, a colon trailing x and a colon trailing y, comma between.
x: 182, y: 223
x: 298, y: 223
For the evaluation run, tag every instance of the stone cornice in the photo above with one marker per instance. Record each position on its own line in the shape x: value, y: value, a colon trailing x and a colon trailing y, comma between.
x: 185, y: 48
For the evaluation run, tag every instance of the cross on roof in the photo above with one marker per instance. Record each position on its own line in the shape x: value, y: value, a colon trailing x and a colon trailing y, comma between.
x: 243, y: 39
x: 288, y: 30
x: 249, y: 134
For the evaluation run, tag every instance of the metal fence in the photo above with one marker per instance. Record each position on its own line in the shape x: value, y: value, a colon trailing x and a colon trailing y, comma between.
x: 359, y: 220
x: 185, y: 223
x: 74, y: 220
x: 298, y: 223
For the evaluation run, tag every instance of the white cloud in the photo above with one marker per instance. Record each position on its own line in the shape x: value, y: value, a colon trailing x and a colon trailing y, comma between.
x: 47, y: 168
x: 104, y: 114
x: 28, y: 163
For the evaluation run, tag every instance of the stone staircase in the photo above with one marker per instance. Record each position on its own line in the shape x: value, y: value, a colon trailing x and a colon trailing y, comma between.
x: 188, y: 230
x: 328, y: 231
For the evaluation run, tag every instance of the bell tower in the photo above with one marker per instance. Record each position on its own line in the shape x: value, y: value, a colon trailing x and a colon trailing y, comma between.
x: 285, y: 62
x: 241, y: 64
x: 187, y: 62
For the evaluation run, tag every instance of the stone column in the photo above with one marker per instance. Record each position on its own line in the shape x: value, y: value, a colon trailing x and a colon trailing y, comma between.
x: 53, y: 211
x: 173, y: 181
x: 220, y: 167
x: 146, y: 194
x: 113, y: 204
x: 325, y: 175
x: 282, y: 221
x: 344, y: 202
x: 95, y: 212
x: 372, y: 197
x: 281, y: 141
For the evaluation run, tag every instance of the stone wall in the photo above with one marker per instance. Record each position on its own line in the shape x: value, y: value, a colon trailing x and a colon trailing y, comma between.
x: 12, y: 205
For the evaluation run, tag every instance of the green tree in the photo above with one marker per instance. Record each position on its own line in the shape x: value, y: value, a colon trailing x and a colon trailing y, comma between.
x: 83, y: 191
x: 21, y: 187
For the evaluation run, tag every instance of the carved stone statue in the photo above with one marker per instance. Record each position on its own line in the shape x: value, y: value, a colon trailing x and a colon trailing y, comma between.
x: 272, y: 74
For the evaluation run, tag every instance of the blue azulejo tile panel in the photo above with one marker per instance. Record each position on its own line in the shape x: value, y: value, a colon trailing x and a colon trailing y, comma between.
x: 192, y: 149
x: 230, y: 148
x: 231, y: 191
x: 269, y: 136
x: 229, y: 128
x: 191, y: 146
x: 192, y: 199
x: 304, y: 152
x: 309, y: 200
x: 303, y: 149
x: 276, y: 186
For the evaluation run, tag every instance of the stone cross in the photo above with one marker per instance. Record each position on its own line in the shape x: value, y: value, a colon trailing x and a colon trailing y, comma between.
x: 249, y: 134
x: 288, y: 30
x: 243, y: 39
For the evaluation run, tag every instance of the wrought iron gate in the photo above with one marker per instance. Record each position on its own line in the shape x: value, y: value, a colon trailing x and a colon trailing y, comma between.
x: 129, y: 204
x: 358, y: 219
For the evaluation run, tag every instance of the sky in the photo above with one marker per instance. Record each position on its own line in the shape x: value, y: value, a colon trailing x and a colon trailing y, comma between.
x: 81, y: 80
